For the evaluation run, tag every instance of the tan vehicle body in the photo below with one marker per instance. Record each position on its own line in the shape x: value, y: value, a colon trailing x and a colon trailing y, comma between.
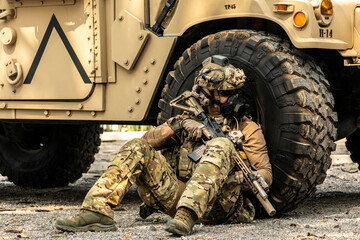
x: 119, y: 61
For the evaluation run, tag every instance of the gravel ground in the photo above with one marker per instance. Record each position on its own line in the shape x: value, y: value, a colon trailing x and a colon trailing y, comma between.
x: 332, y: 213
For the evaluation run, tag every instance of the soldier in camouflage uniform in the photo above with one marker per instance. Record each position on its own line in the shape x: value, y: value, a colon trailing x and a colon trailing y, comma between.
x: 209, y: 191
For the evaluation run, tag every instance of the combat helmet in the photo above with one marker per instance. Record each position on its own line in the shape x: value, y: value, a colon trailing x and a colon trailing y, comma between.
x: 217, y: 75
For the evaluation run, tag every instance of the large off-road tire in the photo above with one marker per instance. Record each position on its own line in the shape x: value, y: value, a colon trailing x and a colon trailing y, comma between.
x: 294, y: 106
x: 353, y: 145
x: 47, y: 155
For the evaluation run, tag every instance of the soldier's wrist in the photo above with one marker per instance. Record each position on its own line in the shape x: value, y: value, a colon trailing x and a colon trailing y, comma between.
x: 175, y: 124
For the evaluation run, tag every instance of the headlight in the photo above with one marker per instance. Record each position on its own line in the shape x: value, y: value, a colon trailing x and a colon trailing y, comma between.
x: 324, y: 13
x: 326, y: 7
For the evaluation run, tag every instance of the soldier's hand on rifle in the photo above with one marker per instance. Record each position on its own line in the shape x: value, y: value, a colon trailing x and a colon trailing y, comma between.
x: 238, y: 178
x: 195, y: 130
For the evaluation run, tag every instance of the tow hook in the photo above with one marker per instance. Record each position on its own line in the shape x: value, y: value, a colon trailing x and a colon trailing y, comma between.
x: 13, y: 72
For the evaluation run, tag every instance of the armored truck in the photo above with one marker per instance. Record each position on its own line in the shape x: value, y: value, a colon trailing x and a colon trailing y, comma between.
x: 68, y: 66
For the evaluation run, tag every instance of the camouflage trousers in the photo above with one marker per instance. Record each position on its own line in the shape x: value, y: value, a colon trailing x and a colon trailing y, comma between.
x: 207, y: 192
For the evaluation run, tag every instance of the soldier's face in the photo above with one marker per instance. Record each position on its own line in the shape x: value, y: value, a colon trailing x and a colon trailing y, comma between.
x: 223, y: 99
x: 215, y: 109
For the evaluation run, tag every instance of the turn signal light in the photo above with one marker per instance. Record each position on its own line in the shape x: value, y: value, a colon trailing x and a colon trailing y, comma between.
x: 300, y: 19
x: 326, y: 7
x: 282, y: 7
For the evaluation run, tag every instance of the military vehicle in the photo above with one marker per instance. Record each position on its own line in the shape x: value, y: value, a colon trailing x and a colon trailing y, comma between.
x: 67, y: 66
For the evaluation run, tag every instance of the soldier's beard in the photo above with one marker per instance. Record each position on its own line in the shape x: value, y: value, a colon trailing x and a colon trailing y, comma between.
x: 213, y: 109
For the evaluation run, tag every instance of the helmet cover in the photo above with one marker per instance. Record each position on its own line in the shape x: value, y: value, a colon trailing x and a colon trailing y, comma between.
x: 229, y: 77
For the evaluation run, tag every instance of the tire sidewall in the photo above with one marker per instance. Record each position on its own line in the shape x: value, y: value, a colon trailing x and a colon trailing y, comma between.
x: 24, y: 161
x: 67, y: 153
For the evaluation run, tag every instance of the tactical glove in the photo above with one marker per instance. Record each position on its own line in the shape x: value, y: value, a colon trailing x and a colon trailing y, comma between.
x: 194, y: 129
x: 238, y: 179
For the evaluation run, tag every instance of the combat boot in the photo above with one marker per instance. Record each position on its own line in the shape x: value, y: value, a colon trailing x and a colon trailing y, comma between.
x: 183, y: 222
x: 86, y: 221
x: 146, y: 210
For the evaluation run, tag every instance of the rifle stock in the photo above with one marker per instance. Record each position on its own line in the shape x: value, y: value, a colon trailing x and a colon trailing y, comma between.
x: 214, y: 129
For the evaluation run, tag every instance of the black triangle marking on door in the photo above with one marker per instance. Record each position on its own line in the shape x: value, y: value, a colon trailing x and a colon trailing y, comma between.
x: 55, y: 24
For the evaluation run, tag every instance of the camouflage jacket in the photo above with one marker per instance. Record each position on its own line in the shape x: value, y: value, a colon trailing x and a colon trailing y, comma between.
x: 167, y: 137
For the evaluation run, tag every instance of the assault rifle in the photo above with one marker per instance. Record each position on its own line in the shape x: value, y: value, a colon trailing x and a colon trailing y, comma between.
x: 253, y: 179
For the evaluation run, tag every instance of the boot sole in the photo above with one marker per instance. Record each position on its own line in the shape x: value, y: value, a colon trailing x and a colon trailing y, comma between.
x: 174, y: 229
x: 95, y: 227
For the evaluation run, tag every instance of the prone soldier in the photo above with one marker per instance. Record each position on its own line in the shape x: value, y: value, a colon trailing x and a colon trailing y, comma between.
x: 208, y: 190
